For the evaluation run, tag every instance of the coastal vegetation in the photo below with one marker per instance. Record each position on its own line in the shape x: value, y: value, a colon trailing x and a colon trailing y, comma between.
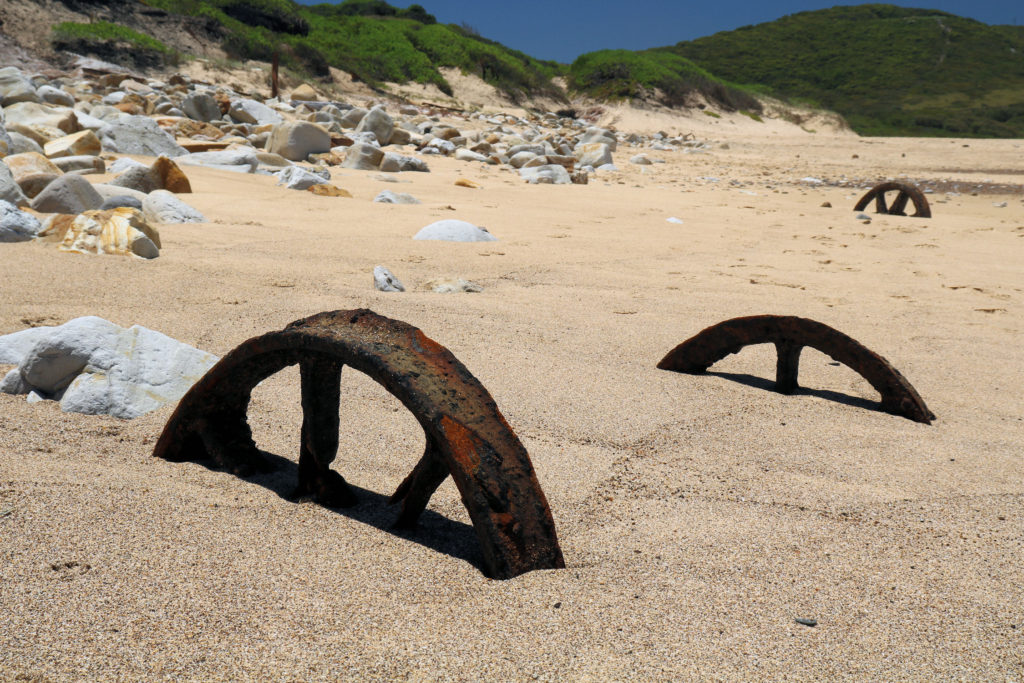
x: 888, y: 70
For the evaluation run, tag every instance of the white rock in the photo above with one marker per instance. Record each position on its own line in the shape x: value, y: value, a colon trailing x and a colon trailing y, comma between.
x: 96, y: 367
x: 595, y: 154
x: 389, y: 197
x: 237, y: 160
x: 15, y: 346
x: 139, y: 135
x: 298, y: 178
x: 640, y: 160
x: 550, y: 174
x: 162, y: 206
x: 451, y: 230
x: 463, y: 154
x: 10, y: 191
x: 385, y: 281
x: 17, y: 225
x: 251, y: 111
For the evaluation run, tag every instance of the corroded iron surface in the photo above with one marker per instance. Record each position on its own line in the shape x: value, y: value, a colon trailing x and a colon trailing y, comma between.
x: 466, y: 434
x: 898, y: 207
x: 790, y: 334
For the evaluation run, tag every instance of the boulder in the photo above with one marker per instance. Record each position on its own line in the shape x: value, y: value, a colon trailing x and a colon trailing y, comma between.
x: 352, y: 117
x: 120, y: 231
x: 121, y: 201
x: 451, y: 230
x: 520, y: 159
x: 379, y: 122
x: 298, y: 178
x: 599, y: 135
x: 16, y: 225
x: 201, y: 106
x: 385, y: 281
x: 107, y: 191
x: 172, y: 178
x: 52, y: 95
x: 237, y: 160
x: 363, y: 157
x: 82, y: 164
x: 54, y: 121
x: 67, y: 194
x: 296, y: 140
x: 389, y: 197
x: 463, y: 154
x: 400, y: 136
x: 594, y: 154
x: 161, y: 206
x: 251, y: 111
x: 138, y: 178
x: 10, y: 191
x: 20, y: 143
x: 32, y: 171
x: 305, y: 93
x: 84, y: 142
x: 139, y: 135
x: 15, y: 87
x: 6, y: 143
x: 96, y: 367
x: 551, y: 174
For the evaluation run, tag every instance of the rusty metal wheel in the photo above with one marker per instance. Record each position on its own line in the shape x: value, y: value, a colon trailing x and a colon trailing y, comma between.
x: 905, y: 193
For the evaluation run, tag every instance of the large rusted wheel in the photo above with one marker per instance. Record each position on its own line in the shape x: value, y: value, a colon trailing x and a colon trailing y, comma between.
x: 904, y: 193
x: 466, y: 435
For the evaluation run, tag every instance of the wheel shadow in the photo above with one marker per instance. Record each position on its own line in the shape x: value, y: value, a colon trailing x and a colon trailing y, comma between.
x: 827, y: 394
x: 433, y: 530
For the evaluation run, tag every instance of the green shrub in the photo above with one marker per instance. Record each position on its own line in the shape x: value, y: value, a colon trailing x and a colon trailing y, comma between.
x: 622, y: 74
x: 70, y: 31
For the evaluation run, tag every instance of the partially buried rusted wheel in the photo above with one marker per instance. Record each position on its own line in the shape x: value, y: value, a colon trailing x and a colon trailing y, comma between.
x: 905, y: 193
x: 790, y: 335
x: 466, y: 434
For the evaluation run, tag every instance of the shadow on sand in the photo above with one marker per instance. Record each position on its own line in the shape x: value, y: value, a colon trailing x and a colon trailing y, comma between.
x: 434, y: 531
x: 828, y: 395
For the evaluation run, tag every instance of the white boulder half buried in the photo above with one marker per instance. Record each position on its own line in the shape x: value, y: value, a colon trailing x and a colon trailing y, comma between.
x: 452, y: 230
x: 95, y: 367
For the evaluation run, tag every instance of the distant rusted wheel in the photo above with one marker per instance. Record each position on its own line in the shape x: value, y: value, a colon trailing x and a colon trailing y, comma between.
x: 905, y: 193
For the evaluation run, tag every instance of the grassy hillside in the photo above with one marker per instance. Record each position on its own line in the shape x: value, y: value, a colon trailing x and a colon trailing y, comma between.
x: 621, y: 74
x: 888, y: 70
x: 370, y: 39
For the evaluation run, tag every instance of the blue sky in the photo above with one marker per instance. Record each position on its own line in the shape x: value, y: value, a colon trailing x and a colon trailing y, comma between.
x: 564, y: 29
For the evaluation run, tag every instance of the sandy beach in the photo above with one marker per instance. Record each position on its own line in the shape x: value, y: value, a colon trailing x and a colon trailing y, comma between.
x: 699, y: 516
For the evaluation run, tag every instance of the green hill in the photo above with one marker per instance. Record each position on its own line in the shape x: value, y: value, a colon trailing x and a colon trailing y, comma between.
x: 888, y: 70
x: 370, y: 39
